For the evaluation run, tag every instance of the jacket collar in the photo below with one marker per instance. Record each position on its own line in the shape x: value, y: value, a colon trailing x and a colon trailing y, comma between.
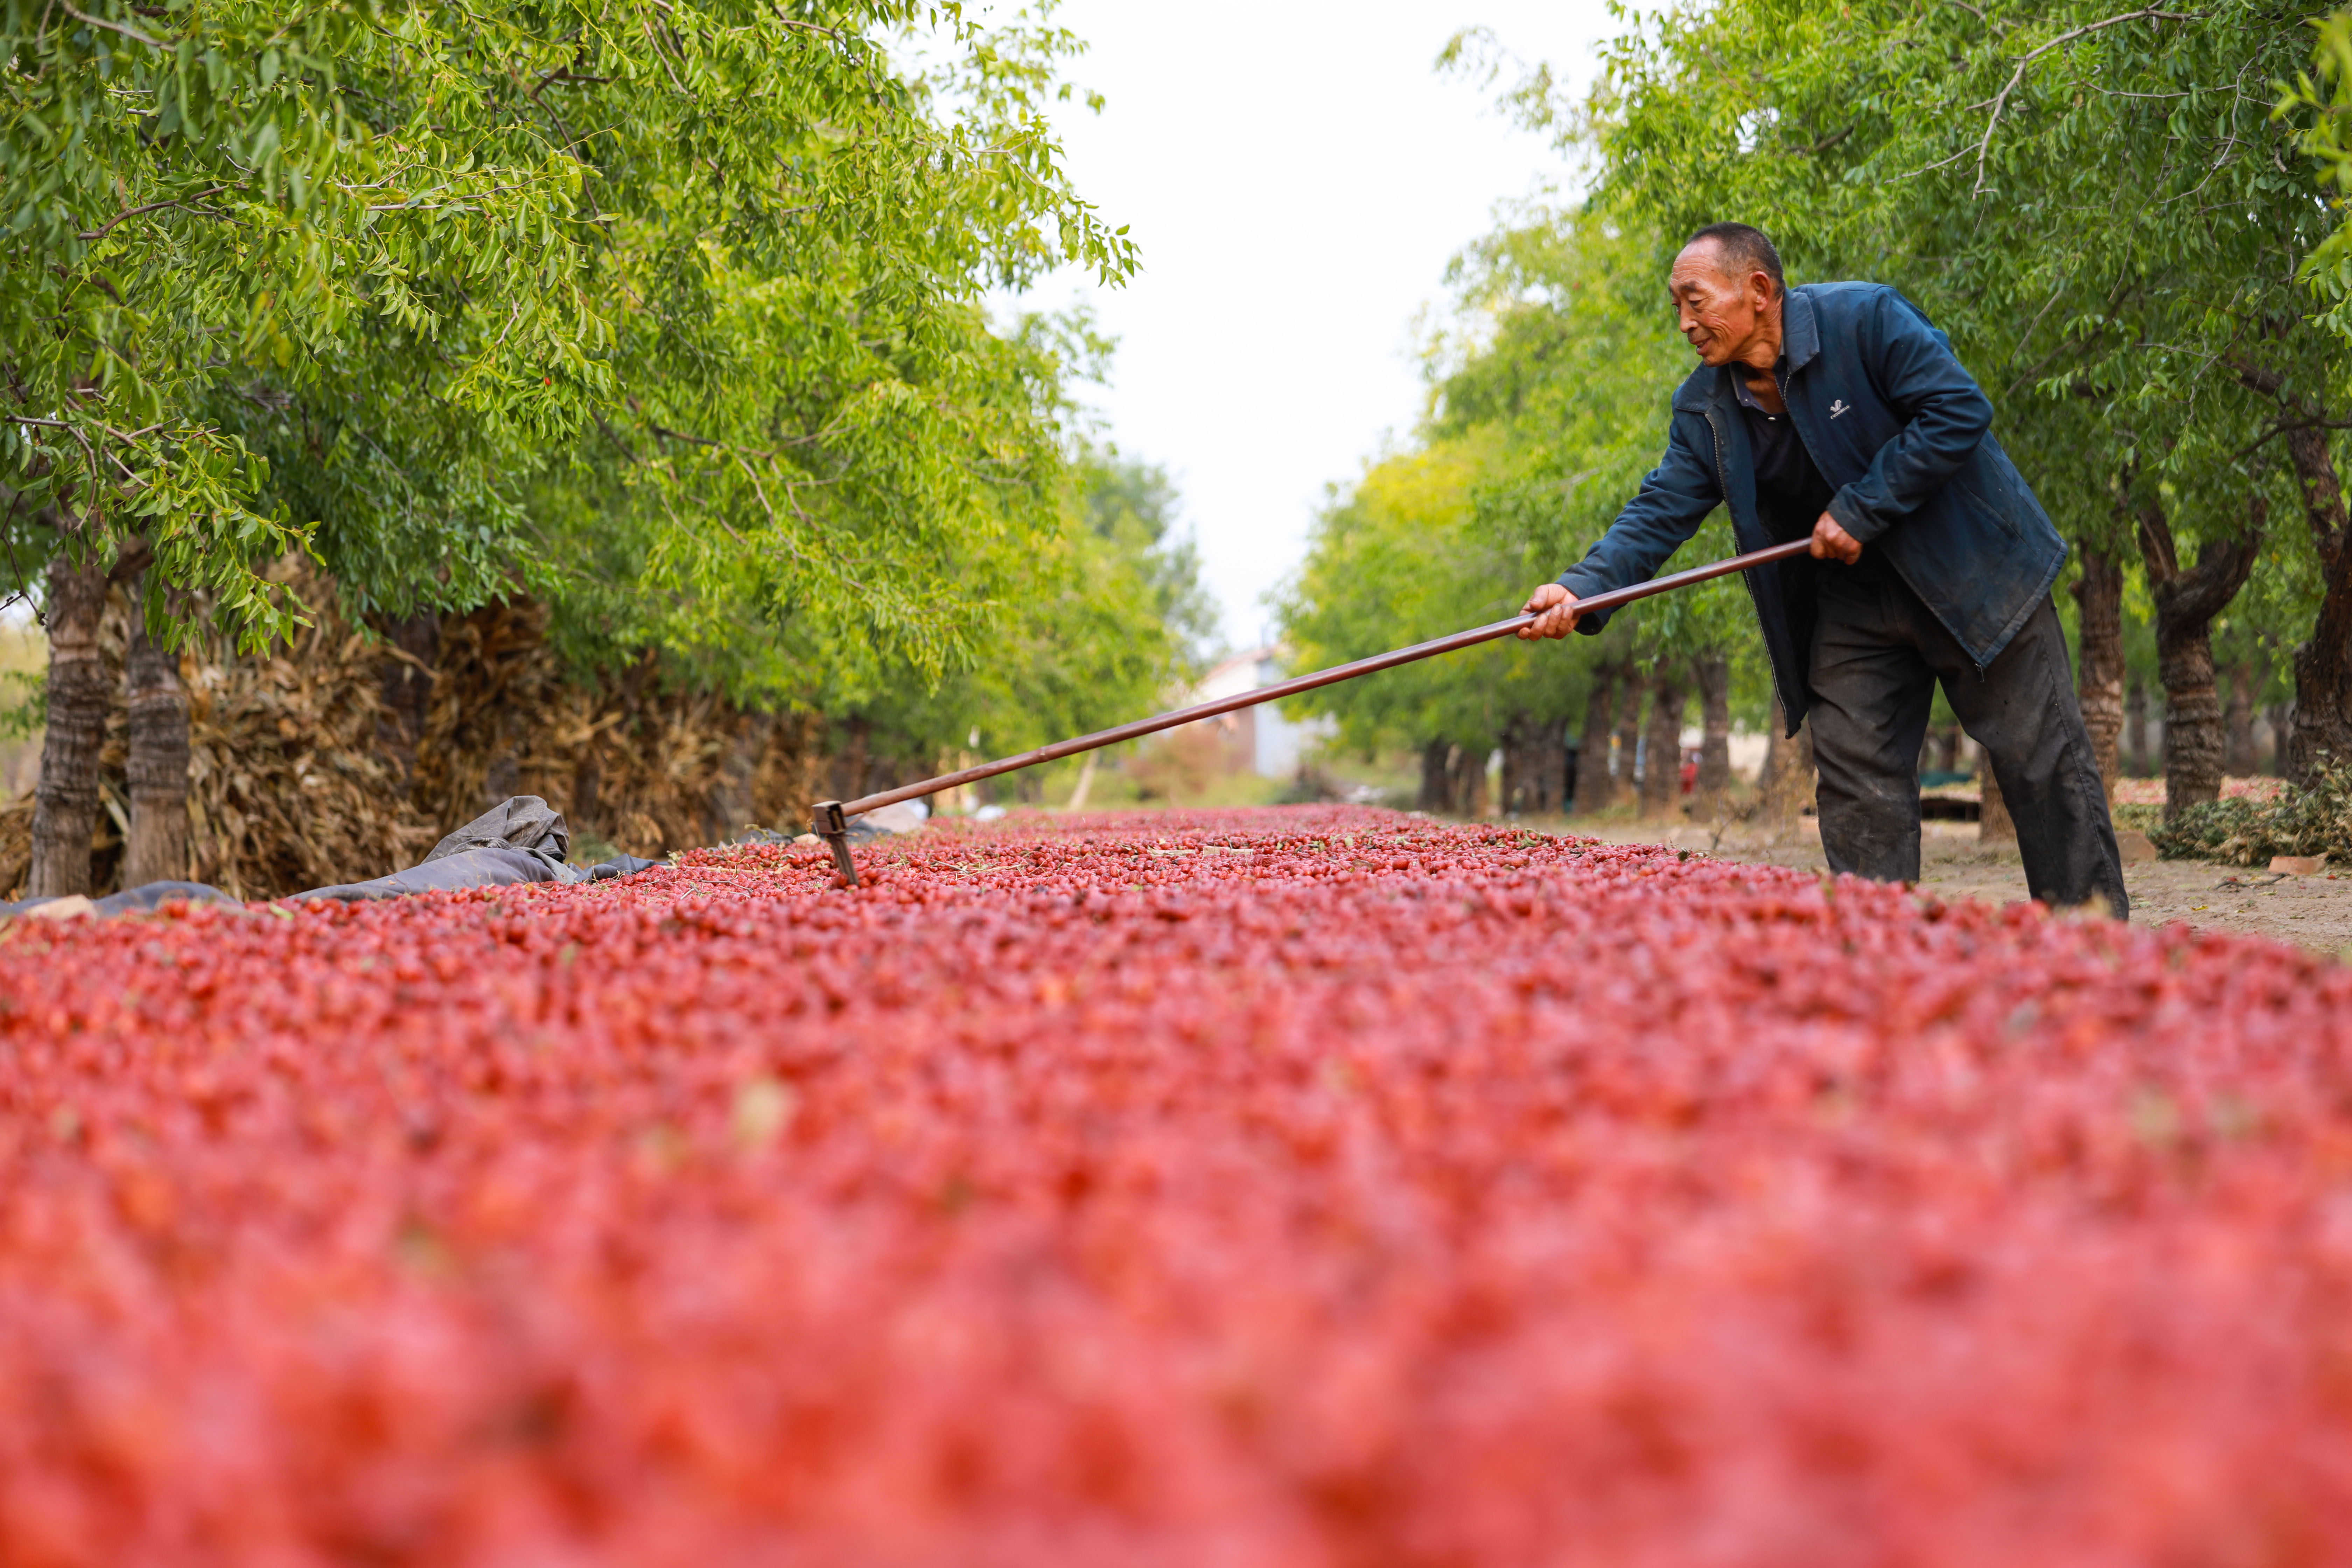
x: 1800, y: 341
x: 1800, y: 334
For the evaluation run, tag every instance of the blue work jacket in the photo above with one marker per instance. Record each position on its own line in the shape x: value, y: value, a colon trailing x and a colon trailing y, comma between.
x: 1900, y: 432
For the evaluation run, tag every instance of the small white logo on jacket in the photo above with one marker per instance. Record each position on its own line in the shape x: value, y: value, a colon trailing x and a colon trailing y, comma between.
x: 1838, y: 406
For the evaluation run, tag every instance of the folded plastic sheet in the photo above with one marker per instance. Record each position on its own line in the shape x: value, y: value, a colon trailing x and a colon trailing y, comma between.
x: 129, y: 901
x: 496, y: 865
x: 518, y: 840
x: 518, y: 822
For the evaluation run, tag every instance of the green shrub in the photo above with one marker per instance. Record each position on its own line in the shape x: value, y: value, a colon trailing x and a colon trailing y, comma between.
x: 2315, y: 821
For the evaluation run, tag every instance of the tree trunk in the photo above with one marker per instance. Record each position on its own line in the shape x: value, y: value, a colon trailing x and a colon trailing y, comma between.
x: 2282, y: 716
x: 158, y: 761
x: 2099, y: 663
x: 728, y: 809
x: 1521, y: 785
x: 2136, y: 724
x: 849, y: 766
x: 1662, y: 773
x: 1994, y: 824
x: 2323, y: 666
x: 1596, y: 789
x: 2186, y: 602
x: 1435, y: 793
x: 587, y: 787
x: 1553, y: 775
x: 405, y: 692
x: 1534, y: 759
x: 1785, y: 783
x: 1713, y: 673
x: 1469, y: 783
x: 65, y: 808
x: 2238, y: 758
x: 1626, y: 769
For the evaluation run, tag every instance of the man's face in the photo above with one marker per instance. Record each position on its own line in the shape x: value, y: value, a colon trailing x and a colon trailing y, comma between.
x: 1720, y: 314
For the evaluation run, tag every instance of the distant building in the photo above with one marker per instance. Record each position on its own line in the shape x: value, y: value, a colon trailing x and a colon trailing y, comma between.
x: 1259, y: 740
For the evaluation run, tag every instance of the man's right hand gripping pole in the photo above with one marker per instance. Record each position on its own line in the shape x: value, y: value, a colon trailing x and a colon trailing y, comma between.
x: 1554, y: 608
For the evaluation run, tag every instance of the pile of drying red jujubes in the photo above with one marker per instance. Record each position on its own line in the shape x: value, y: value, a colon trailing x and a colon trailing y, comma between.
x: 1305, y: 1187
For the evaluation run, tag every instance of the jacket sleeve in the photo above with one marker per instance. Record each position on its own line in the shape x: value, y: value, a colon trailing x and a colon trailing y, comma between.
x: 1675, y: 499
x: 1946, y: 415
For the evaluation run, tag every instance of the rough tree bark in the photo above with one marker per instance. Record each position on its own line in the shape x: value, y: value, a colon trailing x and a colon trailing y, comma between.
x: 157, y: 765
x: 1714, y: 675
x: 2187, y: 600
x: 1516, y: 783
x: 1662, y: 773
x: 587, y: 785
x: 1434, y: 797
x: 65, y: 802
x: 2099, y: 661
x: 1785, y: 784
x: 2323, y: 666
x: 1535, y: 755
x: 2282, y: 717
x: 1521, y: 787
x: 1551, y: 753
x: 1626, y: 767
x: 2238, y: 757
x: 405, y: 691
x: 1469, y: 783
x: 728, y: 809
x: 1596, y: 788
x: 849, y: 766
x: 1994, y: 824
x: 2136, y: 724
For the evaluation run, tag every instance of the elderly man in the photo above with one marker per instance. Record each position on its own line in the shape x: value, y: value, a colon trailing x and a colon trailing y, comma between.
x: 1838, y: 411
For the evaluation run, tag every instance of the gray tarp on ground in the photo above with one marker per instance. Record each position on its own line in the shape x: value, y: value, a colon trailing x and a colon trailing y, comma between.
x: 521, y: 821
x: 136, y: 901
x: 520, y: 839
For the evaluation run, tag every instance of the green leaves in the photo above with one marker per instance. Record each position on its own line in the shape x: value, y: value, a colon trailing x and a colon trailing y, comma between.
x: 667, y: 306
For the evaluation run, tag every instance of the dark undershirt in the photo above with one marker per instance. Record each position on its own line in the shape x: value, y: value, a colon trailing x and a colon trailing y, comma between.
x: 1790, y: 494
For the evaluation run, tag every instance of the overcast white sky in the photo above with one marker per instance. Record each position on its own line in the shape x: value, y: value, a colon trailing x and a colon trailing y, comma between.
x: 1297, y: 176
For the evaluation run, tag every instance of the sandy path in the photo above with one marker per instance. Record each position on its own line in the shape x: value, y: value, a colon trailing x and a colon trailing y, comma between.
x: 2315, y: 912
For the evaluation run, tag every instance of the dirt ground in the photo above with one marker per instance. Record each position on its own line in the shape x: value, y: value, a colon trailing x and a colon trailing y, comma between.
x: 2314, y: 912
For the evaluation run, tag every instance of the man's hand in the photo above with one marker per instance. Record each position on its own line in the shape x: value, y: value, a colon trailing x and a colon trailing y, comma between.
x: 1832, y: 542
x: 1554, y: 608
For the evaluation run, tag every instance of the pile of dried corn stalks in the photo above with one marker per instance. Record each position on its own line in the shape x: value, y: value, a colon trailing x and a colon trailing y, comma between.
x: 301, y: 773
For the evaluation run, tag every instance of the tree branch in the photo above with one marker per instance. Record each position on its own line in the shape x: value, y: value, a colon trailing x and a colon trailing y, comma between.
x: 2001, y: 99
x: 133, y: 33
x: 103, y: 229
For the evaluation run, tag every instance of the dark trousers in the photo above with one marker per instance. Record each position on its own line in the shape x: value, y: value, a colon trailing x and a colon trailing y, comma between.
x: 1878, y: 653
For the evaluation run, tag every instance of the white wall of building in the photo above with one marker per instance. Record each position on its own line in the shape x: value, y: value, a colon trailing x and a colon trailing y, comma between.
x: 1276, y: 743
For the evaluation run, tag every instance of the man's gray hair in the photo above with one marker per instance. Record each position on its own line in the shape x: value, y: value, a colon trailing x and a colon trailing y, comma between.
x: 1745, y: 249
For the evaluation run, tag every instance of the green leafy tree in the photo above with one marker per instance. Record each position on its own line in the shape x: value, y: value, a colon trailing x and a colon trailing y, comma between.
x: 1548, y: 404
x: 685, y: 292
x: 2098, y: 205
x: 1113, y: 620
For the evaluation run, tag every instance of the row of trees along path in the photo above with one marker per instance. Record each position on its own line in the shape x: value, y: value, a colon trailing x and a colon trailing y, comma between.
x: 668, y: 311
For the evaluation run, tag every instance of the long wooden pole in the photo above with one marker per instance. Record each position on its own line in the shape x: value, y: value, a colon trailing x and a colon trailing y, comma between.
x: 832, y: 816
